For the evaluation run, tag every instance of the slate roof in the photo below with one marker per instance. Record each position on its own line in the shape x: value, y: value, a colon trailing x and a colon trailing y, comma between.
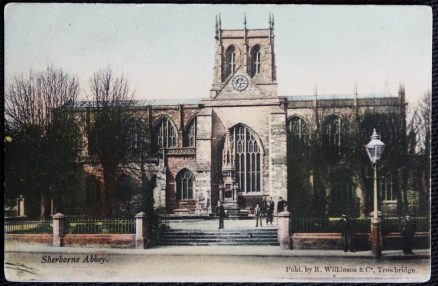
x: 146, y: 102
x: 196, y: 101
x: 336, y: 96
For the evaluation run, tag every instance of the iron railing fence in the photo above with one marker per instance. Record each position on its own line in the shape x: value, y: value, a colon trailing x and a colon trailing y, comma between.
x: 392, y: 224
x: 28, y: 226
x: 326, y: 225
x: 332, y: 225
x: 89, y: 225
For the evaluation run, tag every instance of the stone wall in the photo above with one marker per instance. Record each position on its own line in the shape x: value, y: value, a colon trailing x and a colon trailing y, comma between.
x: 203, y: 161
x: 174, y: 165
x: 360, y: 241
x: 277, y: 155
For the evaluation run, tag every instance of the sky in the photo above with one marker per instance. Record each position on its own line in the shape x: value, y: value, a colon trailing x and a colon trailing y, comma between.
x: 167, y: 51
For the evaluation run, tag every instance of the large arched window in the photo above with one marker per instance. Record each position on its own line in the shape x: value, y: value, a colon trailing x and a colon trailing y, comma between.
x: 387, y: 191
x: 341, y: 196
x: 166, y: 134
x: 332, y: 135
x: 184, y: 185
x: 255, y: 60
x: 248, y: 159
x: 230, y: 61
x: 297, y: 134
x: 133, y: 137
x: 190, y: 134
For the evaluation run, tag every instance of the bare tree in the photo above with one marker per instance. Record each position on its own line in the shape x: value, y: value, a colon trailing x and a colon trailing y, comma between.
x: 31, y: 99
x: 419, y: 129
x: 43, y: 139
x: 111, y: 113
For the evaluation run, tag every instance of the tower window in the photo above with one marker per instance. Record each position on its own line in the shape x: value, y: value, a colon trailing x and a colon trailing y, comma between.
x: 230, y: 61
x: 255, y: 60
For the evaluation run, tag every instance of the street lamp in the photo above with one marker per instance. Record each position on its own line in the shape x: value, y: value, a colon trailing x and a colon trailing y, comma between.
x: 374, y: 150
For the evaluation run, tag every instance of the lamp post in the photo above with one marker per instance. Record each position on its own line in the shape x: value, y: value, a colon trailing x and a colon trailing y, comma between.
x: 374, y: 150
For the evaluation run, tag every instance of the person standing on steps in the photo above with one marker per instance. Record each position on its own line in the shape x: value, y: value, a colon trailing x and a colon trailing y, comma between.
x: 270, y: 205
x: 221, y: 214
x: 258, y: 215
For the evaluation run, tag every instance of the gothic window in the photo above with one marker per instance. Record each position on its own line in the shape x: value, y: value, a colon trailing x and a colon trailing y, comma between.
x: 166, y: 134
x: 341, y: 197
x: 230, y: 61
x: 332, y: 135
x: 184, y: 185
x: 190, y: 134
x: 133, y: 137
x: 386, y: 188
x: 297, y: 131
x: 255, y: 60
x: 248, y: 159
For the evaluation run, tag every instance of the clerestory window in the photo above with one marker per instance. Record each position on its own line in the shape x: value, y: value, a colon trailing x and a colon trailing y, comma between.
x: 190, y: 134
x: 166, y: 134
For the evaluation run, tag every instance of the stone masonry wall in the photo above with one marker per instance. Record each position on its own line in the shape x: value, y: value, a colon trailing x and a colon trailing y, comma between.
x: 277, y: 155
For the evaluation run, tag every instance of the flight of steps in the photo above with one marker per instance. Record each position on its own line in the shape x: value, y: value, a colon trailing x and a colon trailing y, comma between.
x: 254, y: 236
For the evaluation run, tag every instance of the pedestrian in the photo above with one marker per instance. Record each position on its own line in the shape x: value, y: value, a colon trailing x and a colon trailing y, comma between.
x: 281, y: 205
x: 221, y: 215
x: 269, y: 211
x: 407, y: 231
x: 346, y: 233
x: 258, y: 215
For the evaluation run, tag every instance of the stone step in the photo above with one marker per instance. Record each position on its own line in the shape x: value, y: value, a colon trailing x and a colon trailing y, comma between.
x: 233, y: 241
x: 224, y: 232
x: 221, y: 231
x: 218, y: 243
x: 219, y: 236
x: 257, y: 236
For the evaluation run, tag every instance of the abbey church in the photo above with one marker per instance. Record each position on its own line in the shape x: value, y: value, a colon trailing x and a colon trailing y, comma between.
x: 244, y: 143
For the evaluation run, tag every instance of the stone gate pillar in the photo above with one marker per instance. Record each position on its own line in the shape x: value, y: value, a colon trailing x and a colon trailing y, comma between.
x: 141, y: 231
x: 21, y: 206
x: 58, y: 229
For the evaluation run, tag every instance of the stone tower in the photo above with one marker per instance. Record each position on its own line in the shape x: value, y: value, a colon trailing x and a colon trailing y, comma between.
x: 247, y: 50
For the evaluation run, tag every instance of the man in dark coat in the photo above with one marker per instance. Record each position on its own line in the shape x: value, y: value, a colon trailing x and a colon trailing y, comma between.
x: 281, y: 205
x: 221, y: 214
x: 407, y: 231
x: 345, y: 223
x: 270, y: 205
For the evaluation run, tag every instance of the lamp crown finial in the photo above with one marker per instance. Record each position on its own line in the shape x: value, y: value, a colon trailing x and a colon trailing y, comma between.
x: 375, y: 135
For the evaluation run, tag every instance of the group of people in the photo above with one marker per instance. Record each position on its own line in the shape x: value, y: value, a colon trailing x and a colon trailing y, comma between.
x: 407, y: 225
x: 258, y: 212
x: 268, y: 210
x: 407, y: 231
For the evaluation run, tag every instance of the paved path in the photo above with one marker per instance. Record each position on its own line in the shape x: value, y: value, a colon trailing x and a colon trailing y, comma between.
x: 206, y: 264
x: 220, y: 250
